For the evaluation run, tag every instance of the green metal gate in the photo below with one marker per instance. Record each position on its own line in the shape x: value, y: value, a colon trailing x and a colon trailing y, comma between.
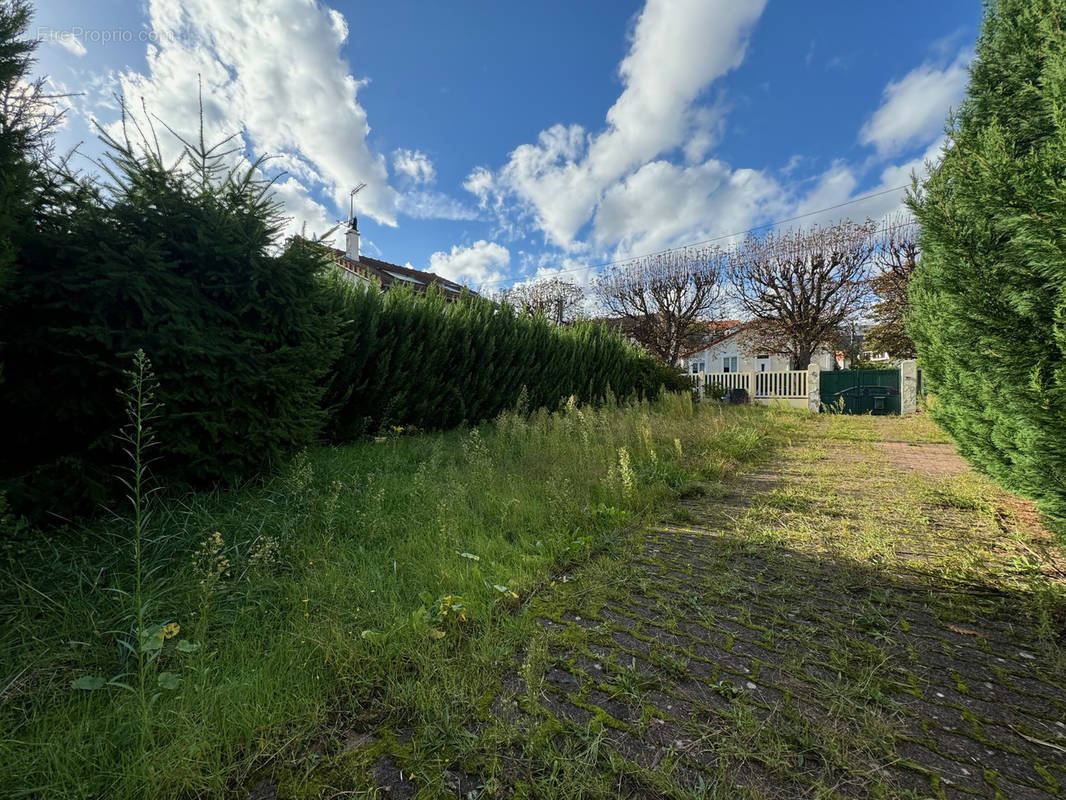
x: 861, y: 391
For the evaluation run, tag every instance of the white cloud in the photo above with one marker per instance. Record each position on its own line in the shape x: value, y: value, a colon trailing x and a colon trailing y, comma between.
x: 914, y: 108
x: 678, y: 48
x: 69, y: 42
x: 272, y: 71
x: 482, y: 262
x: 663, y: 205
x: 481, y: 184
x: 418, y: 201
x: 430, y: 204
x: 833, y: 187
x: 305, y: 215
x: 414, y: 165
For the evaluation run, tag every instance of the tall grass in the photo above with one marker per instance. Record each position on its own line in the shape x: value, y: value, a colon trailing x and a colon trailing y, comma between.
x: 366, y: 586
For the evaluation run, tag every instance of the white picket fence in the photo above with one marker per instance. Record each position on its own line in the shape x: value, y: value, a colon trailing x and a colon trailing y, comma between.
x: 762, y: 386
x: 791, y: 383
x: 797, y: 388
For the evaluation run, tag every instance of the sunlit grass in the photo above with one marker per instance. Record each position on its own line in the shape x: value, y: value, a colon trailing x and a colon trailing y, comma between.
x: 364, y: 587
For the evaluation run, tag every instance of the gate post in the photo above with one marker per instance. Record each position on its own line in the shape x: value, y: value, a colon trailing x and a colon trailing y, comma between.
x: 814, y: 387
x: 908, y: 386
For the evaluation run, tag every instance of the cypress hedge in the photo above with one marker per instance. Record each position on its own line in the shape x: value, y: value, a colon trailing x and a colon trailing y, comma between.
x: 988, y: 298
x: 257, y: 349
x: 424, y: 360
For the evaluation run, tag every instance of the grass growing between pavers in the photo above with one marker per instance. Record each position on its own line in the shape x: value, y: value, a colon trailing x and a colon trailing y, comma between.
x: 345, y: 624
x: 851, y: 623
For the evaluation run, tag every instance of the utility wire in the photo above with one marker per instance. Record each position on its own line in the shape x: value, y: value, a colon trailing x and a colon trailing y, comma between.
x: 717, y: 238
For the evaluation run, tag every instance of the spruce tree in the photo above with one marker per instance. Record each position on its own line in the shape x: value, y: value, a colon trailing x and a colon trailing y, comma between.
x: 16, y: 134
x: 180, y: 260
x: 988, y: 298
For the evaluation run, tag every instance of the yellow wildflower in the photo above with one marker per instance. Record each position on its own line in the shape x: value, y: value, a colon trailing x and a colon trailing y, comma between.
x: 170, y: 630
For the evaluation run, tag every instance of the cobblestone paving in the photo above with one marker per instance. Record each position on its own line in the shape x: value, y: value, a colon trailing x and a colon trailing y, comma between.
x: 754, y: 650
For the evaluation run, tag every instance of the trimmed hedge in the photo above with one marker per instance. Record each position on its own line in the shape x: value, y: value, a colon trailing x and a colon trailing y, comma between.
x: 423, y: 360
x: 988, y: 297
x: 257, y: 351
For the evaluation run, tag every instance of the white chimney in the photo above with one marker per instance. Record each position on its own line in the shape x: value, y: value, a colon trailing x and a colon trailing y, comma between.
x: 351, y: 240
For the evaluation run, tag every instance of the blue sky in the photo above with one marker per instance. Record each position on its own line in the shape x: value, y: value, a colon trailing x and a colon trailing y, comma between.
x: 504, y: 141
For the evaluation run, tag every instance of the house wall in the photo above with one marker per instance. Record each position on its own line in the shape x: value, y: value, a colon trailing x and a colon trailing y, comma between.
x: 352, y: 277
x: 739, y: 347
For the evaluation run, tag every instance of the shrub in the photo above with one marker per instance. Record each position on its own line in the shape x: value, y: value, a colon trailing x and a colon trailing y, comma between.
x: 989, y: 294
x: 178, y: 261
x: 422, y: 360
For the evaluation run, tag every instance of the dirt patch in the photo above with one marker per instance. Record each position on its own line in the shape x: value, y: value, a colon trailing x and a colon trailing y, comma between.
x: 391, y: 780
x: 929, y: 459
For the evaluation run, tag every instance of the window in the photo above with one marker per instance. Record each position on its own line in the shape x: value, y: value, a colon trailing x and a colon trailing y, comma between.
x: 695, y: 366
x: 729, y: 363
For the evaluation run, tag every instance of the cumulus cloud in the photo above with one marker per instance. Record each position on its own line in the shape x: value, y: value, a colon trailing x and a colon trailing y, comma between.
x: 662, y: 205
x: 414, y: 165
x: 304, y: 214
x: 302, y: 108
x: 678, y: 48
x: 417, y: 174
x: 481, y: 262
x: 914, y: 108
x: 431, y: 204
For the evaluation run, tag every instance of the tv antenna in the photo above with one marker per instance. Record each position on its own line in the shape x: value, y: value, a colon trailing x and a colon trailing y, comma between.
x: 351, y: 200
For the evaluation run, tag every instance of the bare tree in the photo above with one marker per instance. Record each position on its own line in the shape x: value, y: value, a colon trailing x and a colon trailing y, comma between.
x: 662, y: 299
x: 799, y: 288
x: 558, y: 299
x: 896, y: 257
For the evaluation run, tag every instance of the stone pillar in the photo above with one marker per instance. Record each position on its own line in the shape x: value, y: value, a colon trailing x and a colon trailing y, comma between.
x: 908, y: 386
x: 814, y: 387
x: 701, y: 384
x: 751, y: 385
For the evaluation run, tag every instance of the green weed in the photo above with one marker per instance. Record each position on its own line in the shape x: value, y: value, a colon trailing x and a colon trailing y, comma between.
x: 316, y: 598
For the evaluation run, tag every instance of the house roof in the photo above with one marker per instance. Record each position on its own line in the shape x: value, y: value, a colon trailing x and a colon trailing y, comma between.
x: 389, y: 274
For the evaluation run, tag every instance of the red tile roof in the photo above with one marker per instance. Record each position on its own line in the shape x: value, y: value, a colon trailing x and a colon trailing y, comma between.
x: 388, y: 274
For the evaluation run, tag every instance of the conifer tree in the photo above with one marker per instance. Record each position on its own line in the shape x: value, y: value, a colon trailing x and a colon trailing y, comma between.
x: 988, y: 297
x: 179, y: 260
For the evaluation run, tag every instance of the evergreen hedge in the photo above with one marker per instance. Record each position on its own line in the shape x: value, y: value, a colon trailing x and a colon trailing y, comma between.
x: 423, y: 360
x: 179, y: 261
x: 257, y: 350
x: 988, y: 296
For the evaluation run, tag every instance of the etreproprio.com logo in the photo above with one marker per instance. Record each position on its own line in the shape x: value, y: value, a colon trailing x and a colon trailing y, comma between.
x: 99, y: 35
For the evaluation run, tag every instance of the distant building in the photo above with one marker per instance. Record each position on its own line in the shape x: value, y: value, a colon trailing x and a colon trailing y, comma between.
x: 362, y: 269
x: 871, y: 355
x: 731, y: 348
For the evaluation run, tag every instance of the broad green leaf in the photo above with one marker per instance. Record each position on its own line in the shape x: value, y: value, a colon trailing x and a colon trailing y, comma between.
x: 168, y: 680
x: 471, y: 556
x: 152, y: 638
x: 185, y: 646
x: 88, y: 682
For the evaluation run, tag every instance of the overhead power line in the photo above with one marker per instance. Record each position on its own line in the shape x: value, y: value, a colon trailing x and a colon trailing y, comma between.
x: 719, y: 237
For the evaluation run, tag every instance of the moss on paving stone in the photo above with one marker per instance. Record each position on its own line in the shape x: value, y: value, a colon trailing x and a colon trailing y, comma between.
x: 843, y: 623
x: 825, y: 634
